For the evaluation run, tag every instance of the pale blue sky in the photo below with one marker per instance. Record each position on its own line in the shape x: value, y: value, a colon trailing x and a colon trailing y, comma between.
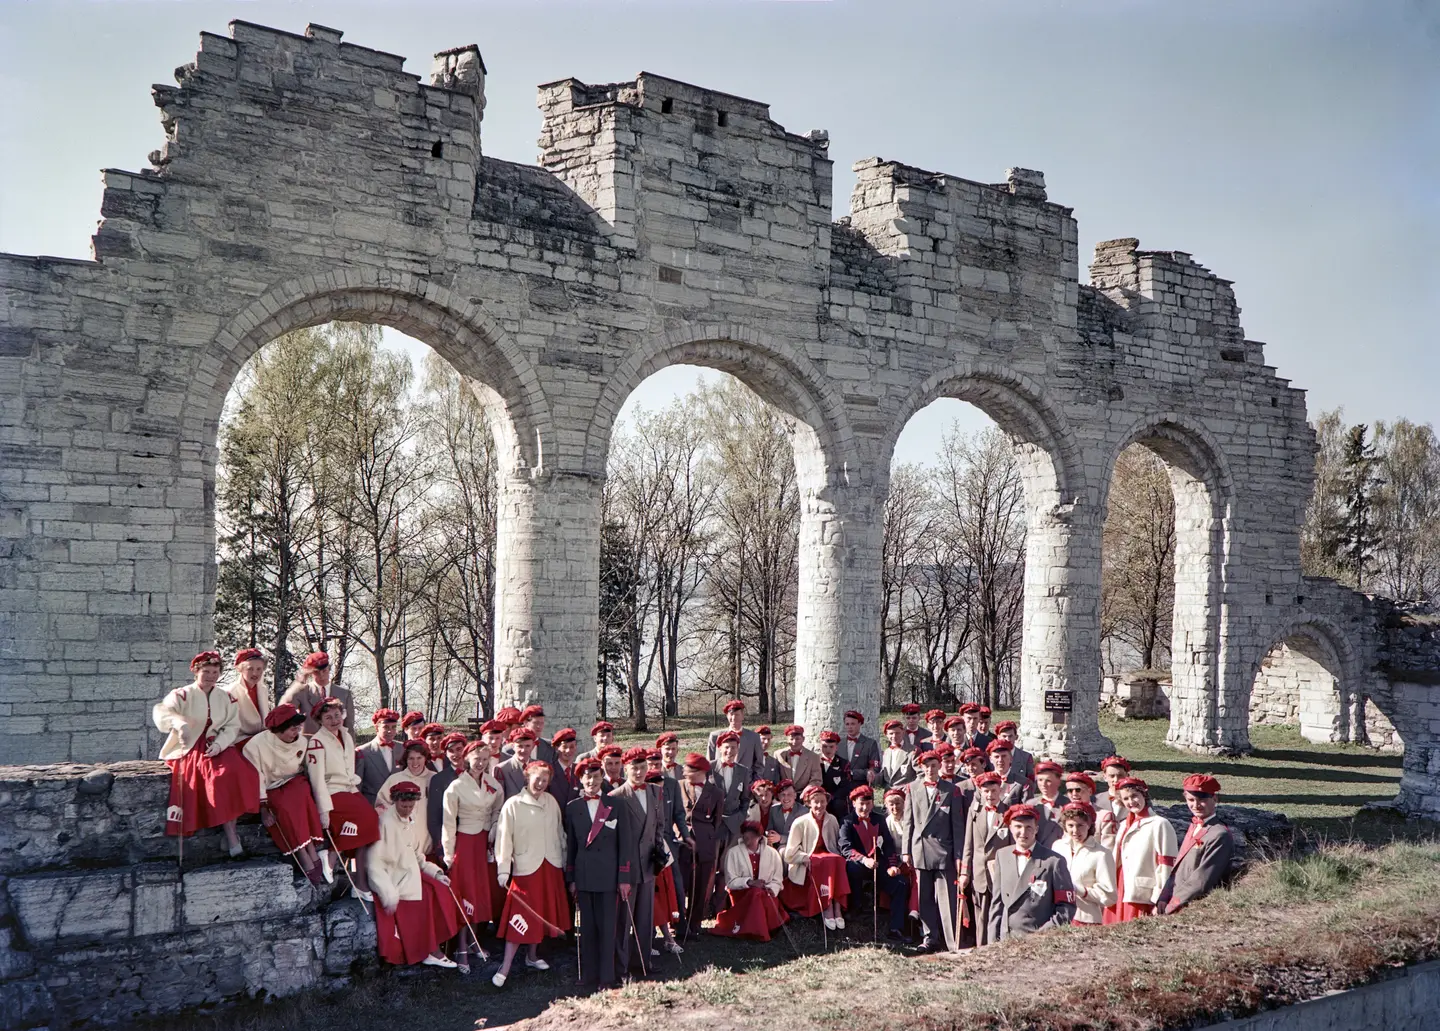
x: 1291, y: 146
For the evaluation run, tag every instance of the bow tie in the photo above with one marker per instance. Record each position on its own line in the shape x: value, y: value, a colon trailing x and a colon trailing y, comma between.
x: 797, y: 751
x: 591, y: 798
x: 1023, y: 853
x: 1197, y: 822
x: 992, y: 808
x: 726, y: 766
x: 852, y: 740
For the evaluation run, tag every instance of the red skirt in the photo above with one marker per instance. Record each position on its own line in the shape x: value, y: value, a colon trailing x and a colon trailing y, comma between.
x: 753, y: 913
x: 416, y: 929
x: 1122, y: 911
x: 297, y: 821
x: 667, y: 899
x: 825, y: 883
x: 206, y: 792
x: 536, y: 907
x: 354, y: 823
x: 473, y: 877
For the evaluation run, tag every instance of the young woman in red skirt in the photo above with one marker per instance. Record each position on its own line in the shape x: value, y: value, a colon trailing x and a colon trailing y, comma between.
x: 1145, y: 848
x: 287, y: 808
x: 817, y: 884
x: 211, y: 783
x: 414, y: 910
x: 351, y: 824
x: 530, y: 851
x: 753, y: 877
x: 471, y: 807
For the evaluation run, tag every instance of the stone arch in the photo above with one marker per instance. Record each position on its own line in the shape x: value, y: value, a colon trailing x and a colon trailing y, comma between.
x: 1310, y: 665
x: 457, y: 330
x: 781, y: 374
x: 1203, y: 715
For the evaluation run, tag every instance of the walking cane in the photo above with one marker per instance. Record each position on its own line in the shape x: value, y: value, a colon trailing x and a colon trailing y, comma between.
x: 579, y: 965
x: 819, y: 901
x: 875, y: 893
x: 341, y: 858
x: 694, y: 874
x: 484, y: 956
x: 640, y: 950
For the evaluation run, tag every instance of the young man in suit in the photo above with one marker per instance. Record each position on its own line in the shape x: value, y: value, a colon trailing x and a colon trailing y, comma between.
x: 669, y: 745
x: 935, y: 819
x: 673, y: 826
x: 564, y: 780
x: 860, y: 752
x: 532, y: 718
x: 748, y: 747
x: 835, y: 775
x: 784, y: 811
x: 1207, y: 855
x: 602, y: 735
x: 872, y: 859
x: 914, y: 735
x: 1023, y: 761
x: 636, y: 925
x: 985, y: 833
x: 381, y: 756
x: 705, y: 814
x: 799, y: 765
x: 511, y: 772
x: 1002, y: 756
x: 935, y: 721
x: 1032, y: 883
x: 611, y: 762
x: 597, y: 871
x: 897, y: 764
x: 733, y: 779
x: 768, y: 767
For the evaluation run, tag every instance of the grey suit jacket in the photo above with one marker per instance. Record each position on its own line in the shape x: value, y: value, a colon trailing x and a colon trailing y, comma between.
x: 511, y: 776
x: 866, y: 757
x: 673, y: 824
x: 1200, y: 868
x: 751, y: 748
x: 897, y: 768
x: 737, y: 799
x: 936, y: 831
x: 644, y: 830
x: 374, y: 766
x: 979, y: 847
x: 768, y: 768
x: 1032, y: 899
x: 306, y: 698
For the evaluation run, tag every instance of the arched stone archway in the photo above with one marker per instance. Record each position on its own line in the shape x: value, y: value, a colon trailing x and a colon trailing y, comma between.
x: 1301, y: 680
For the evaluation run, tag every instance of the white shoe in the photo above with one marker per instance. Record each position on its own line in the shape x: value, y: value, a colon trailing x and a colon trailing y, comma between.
x: 537, y: 964
x: 672, y: 947
x: 326, y: 870
x: 839, y: 923
x: 365, y: 896
x: 440, y: 961
x: 498, y: 980
x: 829, y: 924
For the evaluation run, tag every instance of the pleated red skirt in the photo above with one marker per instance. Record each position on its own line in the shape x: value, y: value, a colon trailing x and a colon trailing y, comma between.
x: 1122, y: 911
x: 206, y: 792
x: 354, y: 823
x: 417, y: 928
x: 753, y: 913
x: 536, y: 907
x: 825, y: 883
x: 297, y: 821
x: 473, y: 877
x: 667, y: 899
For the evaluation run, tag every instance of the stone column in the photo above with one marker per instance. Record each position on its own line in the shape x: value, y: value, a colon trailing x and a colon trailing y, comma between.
x: 837, y: 648
x: 1060, y: 646
x: 547, y: 594
x: 1200, y: 720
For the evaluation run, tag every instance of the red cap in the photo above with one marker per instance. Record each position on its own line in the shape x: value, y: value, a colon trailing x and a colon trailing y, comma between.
x: 999, y: 745
x: 491, y: 727
x: 205, y: 659
x: 829, y: 737
x: 1080, y: 778
x: 696, y: 761
x: 316, y: 660
x: 472, y: 746
x: 1132, y: 782
x: 863, y: 791
x: 1201, y: 784
x: 405, y: 789
x: 855, y: 714
x: 1005, y: 725
x: 1084, y: 809
x: 812, y: 791
x: 1116, y: 760
x: 531, y: 712
x: 751, y: 827
x: 587, y: 764
x: 934, y: 714
x: 380, y: 716
x: 537, y: 764
x: 894, y: 793
x: 1046, y: 766
x: 508, y: 715
x: 732, y: 705
x: 984, y: 711
x: 988, y: 777
x: 323, y: 704
x: 522, y: 734
x: 729, y: 737
x: 411, y: 718
x: 909, y: 709
x: 667, y: 738
x: 567, y: 734
x: 944, y: 748
x: 633, y: 755
x: 794, y: 729
x: 653, y: 755
x: 432, y: 728
x: 1021, y: 811
x: 764, y: 730
x: 246, y: 654
x: 972, y: 753
x: 608, y: 751
x: 890, y: 725
x: 785, y: 782
x: 762, y: 783
x: 602, y: 726
x: 954, y: 721
x: 281, y: 715
x: 928, y: 756
x: 455, y: 737
x: 969, y: 707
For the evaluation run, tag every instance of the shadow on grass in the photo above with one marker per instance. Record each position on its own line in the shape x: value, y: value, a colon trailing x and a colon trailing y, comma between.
x: 1270, y: 801
x: 1240, y: 768
x: 1385, y: 760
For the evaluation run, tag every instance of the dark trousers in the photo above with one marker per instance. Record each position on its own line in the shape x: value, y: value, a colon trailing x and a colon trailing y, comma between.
x: 597, y: 936
x: 699, y: 876
x: 642, y: 904
x: 897, y: 888
x: 938, y: 906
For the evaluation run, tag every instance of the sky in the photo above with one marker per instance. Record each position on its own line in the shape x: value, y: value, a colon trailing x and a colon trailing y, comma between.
x: 1292, y: 146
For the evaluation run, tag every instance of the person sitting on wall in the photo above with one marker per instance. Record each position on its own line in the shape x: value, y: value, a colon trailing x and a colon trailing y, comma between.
x: 816, y: 883
x: 211, y: 783
x: 1208, y: 853
x: 287, y: 808
x: 252, y: 700
x: 415, y: 911
x: 351, y: 824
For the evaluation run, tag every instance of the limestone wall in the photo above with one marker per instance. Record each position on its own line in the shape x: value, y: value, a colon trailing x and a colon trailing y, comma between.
x: 1407, y: 1001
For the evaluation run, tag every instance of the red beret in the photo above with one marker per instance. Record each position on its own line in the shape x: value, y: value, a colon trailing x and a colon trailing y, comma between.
x: 327, y: 702
x: 417, y: 745
x: 785, y: 782
x: 727, y: 738
x: 405, y: 789
x: 794, y: 729
x: 890, y: 725
x: 1201, y: 784
x: 471, y: 747
x: 537, y: 764
x: 1081, y: 778
x: 751, y: 827
x: 909, y: 709
x: 988, y: 777
x: 412, y: 717
x: 954, y: 721
x: 205, y: 659
x: 455, y: 737
x: 1021, y: 812
x: 432, y: 728
x: 567, y: 734
x: 969, y: 707
x: 246, y: 654
x: 1084, y: 809
x: 863, y: 791
x: 633, y: 755
x: 522, y: 734
x: 855, y: 714
x: 732, y: 705
x: 934, y: 714
x: 282, y: 715
x: 944, y: 748
x: 762, y: 783
x: 829, y: 737
x: 894, y: 793
x: 696, y: 761
x: 1046, y: 766
x: 999, y: 745
x: 316, y: 660
x: 1132, y: 782
x: 764, y: 730
x: 530, y: 712
x: 928, y: 756
x: 601, y: 727
x: 380, y: 716
x: 653, y: 755
x: 812, y: 791
x: 508, y: 715
x: 1005, y: 725
x: 608, y: 751
x: 585, y: 765
x: 654, y: 776
x: 667, y: 738
x: 972, y: 753
x: 491, y: 727
x: 984, y: 711
x: 1116, y: 760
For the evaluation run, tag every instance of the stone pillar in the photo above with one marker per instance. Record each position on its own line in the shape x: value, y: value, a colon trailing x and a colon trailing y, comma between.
x: 837, y: 648
x: 1060, y: 645
x: 1199, y: 722
x: 547, y: 595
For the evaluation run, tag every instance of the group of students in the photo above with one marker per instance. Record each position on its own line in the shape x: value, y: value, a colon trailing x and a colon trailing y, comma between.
x: 634, y: 849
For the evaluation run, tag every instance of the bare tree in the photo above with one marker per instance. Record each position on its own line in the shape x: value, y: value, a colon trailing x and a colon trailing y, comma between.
x: 907, y: 516
x: 1138, y: 563
x: 1408, y: 510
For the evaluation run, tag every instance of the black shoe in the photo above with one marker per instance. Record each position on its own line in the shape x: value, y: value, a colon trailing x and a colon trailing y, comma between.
x: 899, y: 937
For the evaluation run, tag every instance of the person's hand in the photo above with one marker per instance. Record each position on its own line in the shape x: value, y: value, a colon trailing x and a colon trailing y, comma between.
x: 964, y: 881
x: 210, y: 747
x: 266, y: 816
x: 772, y: 837
x: 391, y: 909
x: 869, y: 862
x: 755, y: 883
x: 574, y: 891
x: 624, y: 893
x: 892, y: 871
x: 906, y: 859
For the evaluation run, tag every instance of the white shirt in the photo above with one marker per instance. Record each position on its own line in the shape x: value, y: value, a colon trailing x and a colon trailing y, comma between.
x: 592, y: 804
x: 1020, y: 861
x: 643, y: 797
x: 727, y: 774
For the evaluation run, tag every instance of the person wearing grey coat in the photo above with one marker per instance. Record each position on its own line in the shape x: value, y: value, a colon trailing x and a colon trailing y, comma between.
x: 375, y: 761
x: 935, y: 825
x: 635, y: 924
x: 1032, y: 887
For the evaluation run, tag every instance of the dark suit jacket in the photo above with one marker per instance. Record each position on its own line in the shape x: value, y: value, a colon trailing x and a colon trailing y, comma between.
x: 915, y: 741
x: 563, y: 785
x: 1031, y: 900
x: 673, y: 824
x: 835, y: 778
x: 1199, y: 868
x: 780, y: 822
x: 643, y: 830
x: 751, y: 748
x: 767, y: 768
x: 597, y: 865
x: 435, y: 801
x: 937, y: 831
x: 706, y: 816
x: 374, y: 768
x: 852, y: 846
x: 736, y: 799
